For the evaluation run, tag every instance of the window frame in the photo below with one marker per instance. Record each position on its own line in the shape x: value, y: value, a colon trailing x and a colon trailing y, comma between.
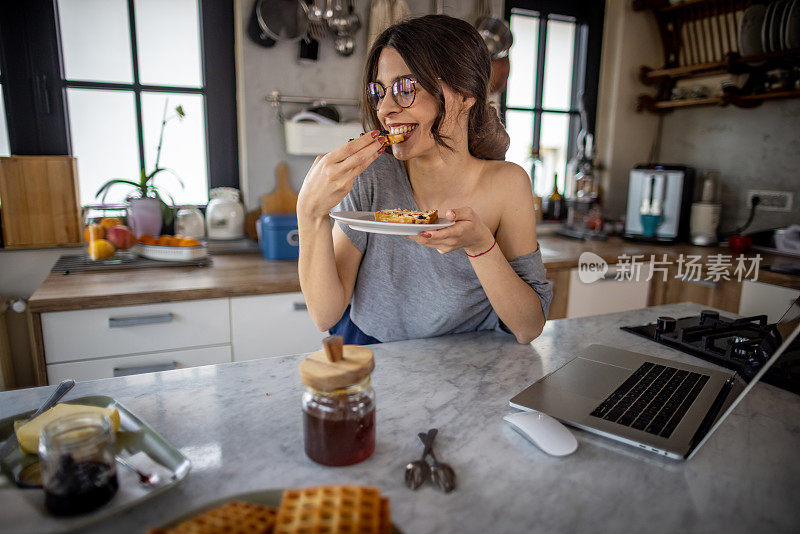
x: 35, y: 88
x: 588, y: 19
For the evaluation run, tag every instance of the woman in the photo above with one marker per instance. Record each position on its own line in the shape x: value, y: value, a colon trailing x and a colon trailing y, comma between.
x: 427, y: 77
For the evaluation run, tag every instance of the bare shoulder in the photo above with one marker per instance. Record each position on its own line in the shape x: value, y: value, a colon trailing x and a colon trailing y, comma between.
x: 510, y: 183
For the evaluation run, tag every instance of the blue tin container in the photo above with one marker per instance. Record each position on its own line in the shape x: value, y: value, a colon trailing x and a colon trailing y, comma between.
x: 278, y: 236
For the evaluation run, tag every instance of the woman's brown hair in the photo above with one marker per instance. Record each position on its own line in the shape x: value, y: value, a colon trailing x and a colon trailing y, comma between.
x: 441, y: 47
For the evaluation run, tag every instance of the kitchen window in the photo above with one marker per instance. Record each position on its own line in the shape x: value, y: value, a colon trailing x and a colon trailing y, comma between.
x: 114, y: 67
x: 554, y: 59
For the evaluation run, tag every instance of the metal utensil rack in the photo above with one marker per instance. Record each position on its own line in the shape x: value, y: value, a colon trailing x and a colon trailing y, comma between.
x: 276, y: 100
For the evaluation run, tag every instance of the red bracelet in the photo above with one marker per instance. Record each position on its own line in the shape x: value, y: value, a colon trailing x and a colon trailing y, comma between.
x: 482, y: 253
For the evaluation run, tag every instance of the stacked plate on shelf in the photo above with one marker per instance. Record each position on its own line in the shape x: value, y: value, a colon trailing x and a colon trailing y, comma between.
x: 770, y: 28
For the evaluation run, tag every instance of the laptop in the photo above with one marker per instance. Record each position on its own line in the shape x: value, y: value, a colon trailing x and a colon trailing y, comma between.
x: 658, y: 405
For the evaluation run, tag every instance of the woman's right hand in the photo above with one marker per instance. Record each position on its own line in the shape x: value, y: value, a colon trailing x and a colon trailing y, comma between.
x: 331, y: 176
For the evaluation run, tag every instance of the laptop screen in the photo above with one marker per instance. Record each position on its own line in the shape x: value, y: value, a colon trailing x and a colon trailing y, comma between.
x: 780, y: 351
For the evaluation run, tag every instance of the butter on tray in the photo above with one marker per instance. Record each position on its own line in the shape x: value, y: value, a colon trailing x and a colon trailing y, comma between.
x: 28, y: 432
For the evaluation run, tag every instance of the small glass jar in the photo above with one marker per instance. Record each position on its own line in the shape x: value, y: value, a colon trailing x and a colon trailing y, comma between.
x: 106, y: 235
x: 339, y: 425
x: 76, y: 456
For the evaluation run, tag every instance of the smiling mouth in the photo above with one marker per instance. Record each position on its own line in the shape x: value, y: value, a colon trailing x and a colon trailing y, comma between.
x: 404, y: 129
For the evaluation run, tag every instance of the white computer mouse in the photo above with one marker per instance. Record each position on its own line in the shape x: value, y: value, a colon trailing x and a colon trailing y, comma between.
x: 544, y: 431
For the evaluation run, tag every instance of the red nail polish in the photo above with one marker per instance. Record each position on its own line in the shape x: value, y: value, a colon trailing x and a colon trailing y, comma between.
x: 381, y: 149
x: 375, y: 133
x: 425, y: 234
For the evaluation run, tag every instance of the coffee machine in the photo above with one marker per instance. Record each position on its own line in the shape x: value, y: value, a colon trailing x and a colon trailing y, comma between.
x: 659, y: 203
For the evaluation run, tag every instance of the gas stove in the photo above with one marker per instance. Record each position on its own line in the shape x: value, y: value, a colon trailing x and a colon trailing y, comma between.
x: 743, y: 345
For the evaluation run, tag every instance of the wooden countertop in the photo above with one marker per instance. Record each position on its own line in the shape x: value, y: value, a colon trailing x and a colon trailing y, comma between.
x: 233, y: 275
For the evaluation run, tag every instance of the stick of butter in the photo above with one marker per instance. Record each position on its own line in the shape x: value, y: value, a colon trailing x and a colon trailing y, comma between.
x: 28, y: 432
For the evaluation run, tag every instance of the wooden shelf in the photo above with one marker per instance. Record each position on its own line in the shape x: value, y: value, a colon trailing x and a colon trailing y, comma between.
x: 648, y: 103
x: 733, y: 64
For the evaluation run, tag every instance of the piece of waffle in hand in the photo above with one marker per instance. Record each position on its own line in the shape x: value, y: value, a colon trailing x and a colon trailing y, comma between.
x: 333, y: 510
x: 231, y: 518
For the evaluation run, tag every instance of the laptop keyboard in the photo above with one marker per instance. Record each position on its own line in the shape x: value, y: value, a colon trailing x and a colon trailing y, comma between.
x: 653, y: 399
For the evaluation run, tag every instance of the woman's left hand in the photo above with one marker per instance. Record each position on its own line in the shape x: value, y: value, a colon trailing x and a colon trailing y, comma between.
x: 468, y: 233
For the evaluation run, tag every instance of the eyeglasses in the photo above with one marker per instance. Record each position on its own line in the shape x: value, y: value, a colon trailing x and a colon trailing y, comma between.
x: 404, y: 90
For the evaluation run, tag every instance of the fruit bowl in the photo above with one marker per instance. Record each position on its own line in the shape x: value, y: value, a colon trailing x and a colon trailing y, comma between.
x: 171, y: 253
x: 108, y: 239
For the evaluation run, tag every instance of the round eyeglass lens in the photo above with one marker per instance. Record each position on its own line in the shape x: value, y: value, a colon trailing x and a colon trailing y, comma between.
x: 403, y: 91
x: 375, y: 94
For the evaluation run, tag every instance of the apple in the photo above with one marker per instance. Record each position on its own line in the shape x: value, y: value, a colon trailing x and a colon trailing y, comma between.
x: 121, y: 237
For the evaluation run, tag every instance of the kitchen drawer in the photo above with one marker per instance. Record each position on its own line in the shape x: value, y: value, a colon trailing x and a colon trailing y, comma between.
x: 272, y: 325
x: 606, y: 295
x: 85, y: 334
x: 127, y: 365
x: 758, y: 298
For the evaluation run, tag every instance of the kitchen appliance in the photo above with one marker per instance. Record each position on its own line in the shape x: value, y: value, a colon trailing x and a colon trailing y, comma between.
x: 665, y: 406
x: 278, y: 237
x: 659, y: 203
x: 224, y: 214
x: 737, y: 344
x: 706, y: 212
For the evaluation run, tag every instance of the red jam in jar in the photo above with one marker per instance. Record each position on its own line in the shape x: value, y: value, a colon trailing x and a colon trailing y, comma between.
x: 339, y: 425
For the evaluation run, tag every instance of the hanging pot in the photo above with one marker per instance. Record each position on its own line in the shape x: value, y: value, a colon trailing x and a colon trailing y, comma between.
x: 255, y: 32
x: 282, y: 20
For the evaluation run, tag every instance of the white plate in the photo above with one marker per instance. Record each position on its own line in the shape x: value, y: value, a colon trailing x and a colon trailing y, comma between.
x: 765, y: 29
x: 775, y: 27
x: 164, y: 253
x: 750, y: 31
x: 364, y: 221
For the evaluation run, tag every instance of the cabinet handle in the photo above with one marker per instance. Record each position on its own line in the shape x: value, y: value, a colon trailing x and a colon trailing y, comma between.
x: 122, y: 322
x: 298, y: 306
x: 128, y: 371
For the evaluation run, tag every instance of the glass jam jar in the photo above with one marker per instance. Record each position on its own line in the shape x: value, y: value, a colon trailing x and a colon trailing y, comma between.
x: 76, y: 457
x: 338, y: 405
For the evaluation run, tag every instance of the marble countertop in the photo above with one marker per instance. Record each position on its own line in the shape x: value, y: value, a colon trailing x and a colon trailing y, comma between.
x: 240, y: 425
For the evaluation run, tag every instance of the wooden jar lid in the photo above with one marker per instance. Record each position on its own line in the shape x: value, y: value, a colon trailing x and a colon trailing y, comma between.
x: 337, y: 366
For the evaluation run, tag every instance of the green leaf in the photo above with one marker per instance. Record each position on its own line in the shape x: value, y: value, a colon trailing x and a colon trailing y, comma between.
x: 106, y: 186
x: 180, y: 112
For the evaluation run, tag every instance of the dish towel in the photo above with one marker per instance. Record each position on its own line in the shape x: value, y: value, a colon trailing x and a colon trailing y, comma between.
x: 384, y: 13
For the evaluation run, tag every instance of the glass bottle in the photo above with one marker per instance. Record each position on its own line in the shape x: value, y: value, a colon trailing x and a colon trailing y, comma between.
x: 76, y: 456
x: 555, y: 203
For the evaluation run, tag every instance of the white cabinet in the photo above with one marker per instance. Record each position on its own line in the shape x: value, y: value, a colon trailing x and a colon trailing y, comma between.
x: 99, y: 333
x: 272, y: 325
x: 758, y: 298
x: 607, y: 295
x: 138, y: 363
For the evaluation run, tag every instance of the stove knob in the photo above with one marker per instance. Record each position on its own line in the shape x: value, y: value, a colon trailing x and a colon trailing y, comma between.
x: 665, y: 325
x: 708, y: 315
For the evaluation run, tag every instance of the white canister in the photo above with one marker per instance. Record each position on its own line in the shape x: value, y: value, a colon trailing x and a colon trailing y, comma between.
x: 190, y: 222
x: 224, y: 214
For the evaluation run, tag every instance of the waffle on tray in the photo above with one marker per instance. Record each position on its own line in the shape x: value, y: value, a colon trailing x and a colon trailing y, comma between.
x: 332, y: 509
x: 231, y: 518
x: 407, y: 216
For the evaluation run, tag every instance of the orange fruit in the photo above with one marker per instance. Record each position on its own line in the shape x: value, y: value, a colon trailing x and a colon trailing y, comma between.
x: 147, y: 239
x: 189, y: 242
x: 108, y: 222
x: 174, y: 241
x: 164, y: 240
x: 100, y: 249
x: 94, y: 232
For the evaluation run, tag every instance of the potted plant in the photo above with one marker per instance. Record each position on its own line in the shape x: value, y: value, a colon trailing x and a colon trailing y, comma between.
x: 147, y: 209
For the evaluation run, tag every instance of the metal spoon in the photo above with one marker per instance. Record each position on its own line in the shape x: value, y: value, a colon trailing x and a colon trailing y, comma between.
x: 441, y: 473
x: 418, y: 471
x: 147, y: 480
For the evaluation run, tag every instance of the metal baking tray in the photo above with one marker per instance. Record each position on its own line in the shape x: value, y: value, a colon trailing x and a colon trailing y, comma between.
x: 134, y: 436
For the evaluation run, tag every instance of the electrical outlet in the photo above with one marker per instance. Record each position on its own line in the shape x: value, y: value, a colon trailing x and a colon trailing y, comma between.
x: 771, y: 200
